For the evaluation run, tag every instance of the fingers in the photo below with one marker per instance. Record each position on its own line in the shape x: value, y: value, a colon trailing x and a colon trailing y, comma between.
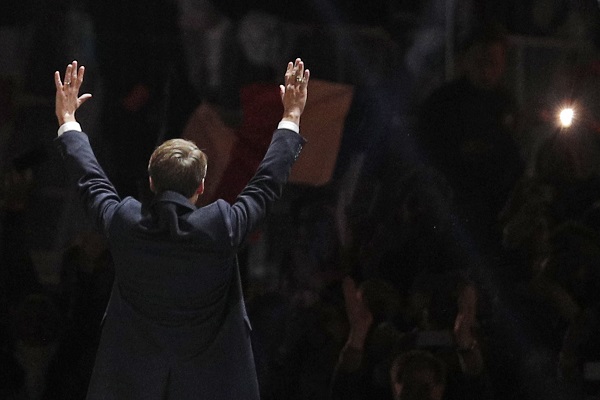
x: 68, y: 73
x: 73, y: 77
x: 306, y: 77
x: 299, y: 69
x: 289, y: 74
x: 295, y: 73
x: 80, y: 74
x: 301, y: 74
x: 57, y: 81
x: 84, y: 97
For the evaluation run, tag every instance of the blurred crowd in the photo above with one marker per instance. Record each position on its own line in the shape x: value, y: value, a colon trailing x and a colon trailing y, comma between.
x: 453, y: 254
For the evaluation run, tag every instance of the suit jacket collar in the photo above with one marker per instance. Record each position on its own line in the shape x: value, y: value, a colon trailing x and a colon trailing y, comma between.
x: 165, y: 212
x: 172, y: 197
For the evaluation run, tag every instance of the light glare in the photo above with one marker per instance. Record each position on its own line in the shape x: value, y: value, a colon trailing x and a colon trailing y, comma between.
x: 566, y: 117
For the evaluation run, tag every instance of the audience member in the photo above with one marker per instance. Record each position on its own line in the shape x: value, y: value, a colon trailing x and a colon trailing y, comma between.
x: 211, y: 52
x: 467, y: 127
x: 18, y: 277
x: 362, y: 370
x: 37, y: 330
x: 296, y: 338
x: 418, y: 375
x: 83, y: 292
x: 406, y: 229
x: 298, y: 323
x: 571, y: 278
x: 446, y: 308
x: 563, y: 184
x: 444, y: 314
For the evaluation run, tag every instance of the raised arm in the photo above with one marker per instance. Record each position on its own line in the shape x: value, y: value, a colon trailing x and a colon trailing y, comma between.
x: 96, y: 191
x: 254, y: 202
x: 294, y: 91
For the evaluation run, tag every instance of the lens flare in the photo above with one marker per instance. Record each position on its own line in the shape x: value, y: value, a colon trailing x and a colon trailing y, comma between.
x: 566, y: 117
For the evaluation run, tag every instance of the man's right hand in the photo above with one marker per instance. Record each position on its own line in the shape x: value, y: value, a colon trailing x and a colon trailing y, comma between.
x: 294, y: 92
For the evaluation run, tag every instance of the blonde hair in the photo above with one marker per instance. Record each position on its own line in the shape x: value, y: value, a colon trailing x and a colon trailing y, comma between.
x: 177, y: 165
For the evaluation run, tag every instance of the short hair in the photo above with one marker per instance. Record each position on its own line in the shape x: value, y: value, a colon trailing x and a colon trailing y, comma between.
x: 177, y: 165
x: 418, y: 371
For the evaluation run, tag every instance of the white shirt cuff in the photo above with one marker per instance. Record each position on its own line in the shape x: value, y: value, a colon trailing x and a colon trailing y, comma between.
x: 292, y: 126
x: 69, y: 126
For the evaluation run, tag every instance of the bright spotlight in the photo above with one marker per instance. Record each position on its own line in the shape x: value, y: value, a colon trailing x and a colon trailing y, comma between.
x: 566, y: 117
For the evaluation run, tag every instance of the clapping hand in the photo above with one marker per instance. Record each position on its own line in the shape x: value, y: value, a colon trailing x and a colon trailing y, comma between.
x: 359, y: 315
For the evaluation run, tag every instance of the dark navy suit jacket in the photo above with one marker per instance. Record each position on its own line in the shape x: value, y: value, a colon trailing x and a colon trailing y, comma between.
x: 176, y: 325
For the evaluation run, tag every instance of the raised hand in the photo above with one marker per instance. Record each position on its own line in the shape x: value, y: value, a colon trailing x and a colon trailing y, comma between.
x: 294, y: 91
x: 359, y: 315
x: 466, y: 318
x: 67, y: 93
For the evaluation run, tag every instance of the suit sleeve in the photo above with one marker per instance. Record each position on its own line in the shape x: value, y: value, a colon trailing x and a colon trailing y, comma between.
x: 265, y: 187
x: 98, y: 194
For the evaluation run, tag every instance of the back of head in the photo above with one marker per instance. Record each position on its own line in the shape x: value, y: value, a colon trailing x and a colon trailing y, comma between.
x: 177, y: 165
x: 418, y: 375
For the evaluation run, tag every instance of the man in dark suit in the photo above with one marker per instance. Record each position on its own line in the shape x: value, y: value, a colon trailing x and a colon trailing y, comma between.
x: 176, y: 326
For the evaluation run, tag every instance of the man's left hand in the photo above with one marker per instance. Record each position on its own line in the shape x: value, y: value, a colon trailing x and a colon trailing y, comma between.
x: 67, y: 93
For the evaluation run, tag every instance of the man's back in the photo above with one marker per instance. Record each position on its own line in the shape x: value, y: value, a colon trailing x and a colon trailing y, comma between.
x: 176, y: 308
x: 176, y: 325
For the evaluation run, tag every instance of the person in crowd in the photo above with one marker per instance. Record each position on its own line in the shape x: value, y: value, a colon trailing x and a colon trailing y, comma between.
x: 362, y: 370
x: 467, y: 131
x: 18, y: 276
x: 412, y: 229
x: 444, y: 310
x: 176, y: 324
x: 563, y: 184
x: 569, y: 280
x: 82, y: 294
x: 418, y: 375
x: 37, y: 331
x: 447, y: 309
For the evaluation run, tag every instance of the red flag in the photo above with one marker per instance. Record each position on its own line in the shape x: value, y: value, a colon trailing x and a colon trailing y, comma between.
x: 234, y: 153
